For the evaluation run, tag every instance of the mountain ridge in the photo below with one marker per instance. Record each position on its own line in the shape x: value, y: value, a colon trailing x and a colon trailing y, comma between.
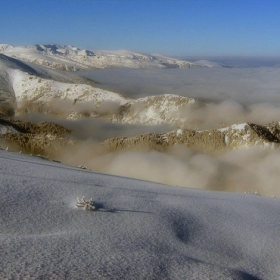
x: 43, y: 136
x: 70, y: 58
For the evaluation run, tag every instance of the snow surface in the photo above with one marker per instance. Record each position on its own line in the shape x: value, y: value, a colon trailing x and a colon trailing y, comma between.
x: 140, y: 230
x: 240, y: 126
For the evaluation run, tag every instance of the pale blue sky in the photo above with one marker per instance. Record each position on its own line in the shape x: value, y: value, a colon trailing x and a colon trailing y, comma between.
x: 172, y: 27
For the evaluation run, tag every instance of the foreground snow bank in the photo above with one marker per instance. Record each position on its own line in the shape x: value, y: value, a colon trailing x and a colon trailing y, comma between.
x: 140, y: 230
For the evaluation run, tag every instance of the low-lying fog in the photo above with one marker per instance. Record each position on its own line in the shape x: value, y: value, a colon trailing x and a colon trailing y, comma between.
x: 243, y: 85
x: 240, y: 94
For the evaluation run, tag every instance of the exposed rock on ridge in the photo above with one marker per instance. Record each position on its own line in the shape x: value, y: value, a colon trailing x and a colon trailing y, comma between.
x: 235, y: 136
x: 41, y: 137
x: 33, y: 138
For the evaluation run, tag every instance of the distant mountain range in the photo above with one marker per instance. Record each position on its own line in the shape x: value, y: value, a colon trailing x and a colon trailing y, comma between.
x: 71, y: 58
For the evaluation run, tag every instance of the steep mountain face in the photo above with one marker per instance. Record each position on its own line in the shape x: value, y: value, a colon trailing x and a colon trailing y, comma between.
x: 7, y: 62
x: 7, y: 99
x: 71, y: 58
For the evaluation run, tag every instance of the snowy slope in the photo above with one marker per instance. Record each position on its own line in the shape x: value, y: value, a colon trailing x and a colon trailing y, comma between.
x: 32, y: 92
x: 19, y: 80
x: 154, y: 110
x: 71, y: 58
x: 33, y: 87
x: 139, y: 230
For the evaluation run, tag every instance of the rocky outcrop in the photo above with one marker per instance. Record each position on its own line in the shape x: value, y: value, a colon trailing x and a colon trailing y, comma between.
x: 33, y: 138
x: 41, y: 137
x: 235, y: 136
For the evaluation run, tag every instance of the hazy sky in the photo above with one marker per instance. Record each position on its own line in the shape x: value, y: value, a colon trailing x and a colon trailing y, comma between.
x: 172, y: 27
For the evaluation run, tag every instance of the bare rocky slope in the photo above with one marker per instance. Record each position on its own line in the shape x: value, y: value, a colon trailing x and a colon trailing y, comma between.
x: 32, y: 138
x: 41, y: 137
x: 235, y: 136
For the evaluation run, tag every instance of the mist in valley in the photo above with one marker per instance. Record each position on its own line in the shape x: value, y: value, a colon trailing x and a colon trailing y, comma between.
x: 231, y: 95
x: 246, y: 85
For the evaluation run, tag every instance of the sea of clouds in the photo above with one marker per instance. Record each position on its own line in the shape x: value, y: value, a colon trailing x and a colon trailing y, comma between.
x: 234, y: 95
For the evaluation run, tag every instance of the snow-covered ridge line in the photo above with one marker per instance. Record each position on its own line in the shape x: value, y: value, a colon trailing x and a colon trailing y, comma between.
x: 69, y: 100
x: 71, y: 58
x: 74, y: 98
x: 75, y: 101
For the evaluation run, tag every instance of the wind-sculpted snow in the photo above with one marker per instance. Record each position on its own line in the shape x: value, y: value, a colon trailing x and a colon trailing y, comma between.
x: 71, y: 58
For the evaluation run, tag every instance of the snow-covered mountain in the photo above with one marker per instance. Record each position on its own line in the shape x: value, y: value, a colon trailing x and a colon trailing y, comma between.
x: 138, y: 229
x: 14, y: 77
x: 75, y: 101
x: 69, y: 100
x: 29, y: 89
x: 71, y: 58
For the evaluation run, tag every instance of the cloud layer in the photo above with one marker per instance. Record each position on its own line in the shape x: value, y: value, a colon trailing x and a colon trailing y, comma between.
x: 233, y: 96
